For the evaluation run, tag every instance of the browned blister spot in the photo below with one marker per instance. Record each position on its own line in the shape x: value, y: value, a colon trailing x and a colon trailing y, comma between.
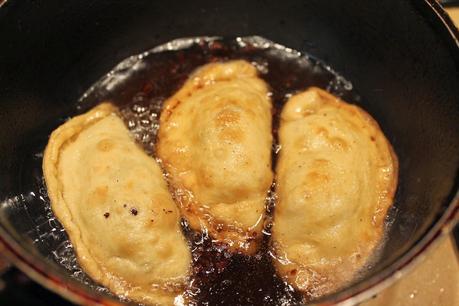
x: 315, y: 178
x: 129, y: 185
x: 321, y: 131
x: 105, y: 145
x: 206, y: 178
x: 99, y: 195
x: 127, y: 248
x: 232, y: 134
x: 320, y: 162
x: 339, y: 144
x: 227, y: 117
x: 241, y: 192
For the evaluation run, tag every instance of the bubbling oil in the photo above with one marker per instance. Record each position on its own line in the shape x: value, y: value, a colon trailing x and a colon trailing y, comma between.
x: 138, y: 86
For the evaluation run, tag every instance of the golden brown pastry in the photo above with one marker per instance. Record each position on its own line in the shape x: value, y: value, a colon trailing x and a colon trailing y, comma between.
x: 114, y: 204
x: 215, y: 142
x: 336, y: 178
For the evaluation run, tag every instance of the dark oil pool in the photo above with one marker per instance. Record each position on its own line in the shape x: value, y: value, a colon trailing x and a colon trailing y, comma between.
x: 138, y: 86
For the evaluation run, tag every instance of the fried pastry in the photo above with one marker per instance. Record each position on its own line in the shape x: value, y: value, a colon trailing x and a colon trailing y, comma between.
x: 215, y: 142
x: 115, y: 206
x: 336, y: 177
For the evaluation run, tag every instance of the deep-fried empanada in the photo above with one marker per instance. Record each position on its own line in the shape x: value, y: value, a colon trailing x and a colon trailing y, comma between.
x: 215, y: 142
x: 114, y: 204
x: 336, y: 178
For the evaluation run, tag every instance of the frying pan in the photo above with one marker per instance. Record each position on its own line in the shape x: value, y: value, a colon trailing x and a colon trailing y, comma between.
x: 402, y: 57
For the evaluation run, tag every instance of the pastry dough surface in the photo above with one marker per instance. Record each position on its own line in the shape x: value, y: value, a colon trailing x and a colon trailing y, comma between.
x: 114, y: 203
x: 215, y: 142
x: 336, y: 178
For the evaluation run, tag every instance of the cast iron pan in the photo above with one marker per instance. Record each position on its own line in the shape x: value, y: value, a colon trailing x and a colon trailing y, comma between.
x: 402, y: 57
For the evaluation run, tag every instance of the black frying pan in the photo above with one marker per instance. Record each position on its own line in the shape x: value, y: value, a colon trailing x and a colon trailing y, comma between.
x: 402, y: 57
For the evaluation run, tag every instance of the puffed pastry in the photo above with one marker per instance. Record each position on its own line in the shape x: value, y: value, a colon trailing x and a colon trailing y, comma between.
x: 336, y: 176
x: 115, y: 206
x: 215, y: 143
